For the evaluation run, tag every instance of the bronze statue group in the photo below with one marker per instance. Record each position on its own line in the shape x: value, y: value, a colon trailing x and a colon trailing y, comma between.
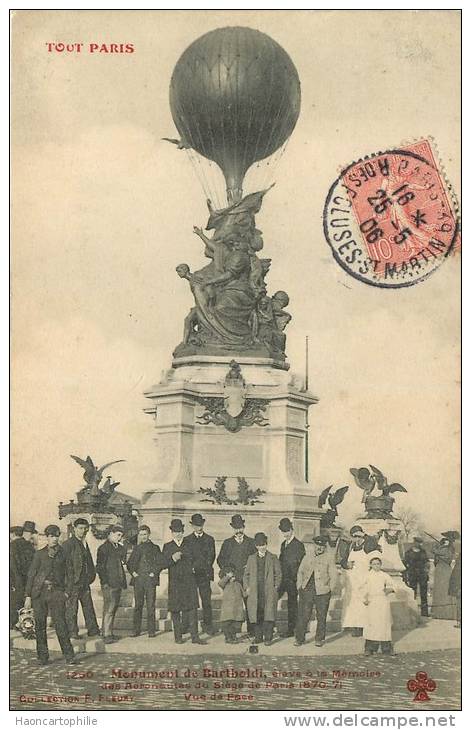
x: 57, y: 578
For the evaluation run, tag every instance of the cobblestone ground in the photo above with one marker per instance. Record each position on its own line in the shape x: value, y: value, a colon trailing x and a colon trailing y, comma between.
x: 377, y: 683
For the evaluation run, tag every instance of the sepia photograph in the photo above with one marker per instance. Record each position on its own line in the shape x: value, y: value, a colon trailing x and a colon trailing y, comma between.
x: 235, y: 360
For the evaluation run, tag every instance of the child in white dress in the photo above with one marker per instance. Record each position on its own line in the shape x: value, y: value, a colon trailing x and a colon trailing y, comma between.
x: 377, y: 589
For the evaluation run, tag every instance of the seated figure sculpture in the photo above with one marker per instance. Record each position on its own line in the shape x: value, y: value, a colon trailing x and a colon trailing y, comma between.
x: 232, y: 311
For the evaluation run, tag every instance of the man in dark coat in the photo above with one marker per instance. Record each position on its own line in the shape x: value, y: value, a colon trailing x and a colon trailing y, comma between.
x: 203, y: 554
x: 416, y: 573
x: 45, y: 591
x: 21, y: 556
x: 110, y: 558
x: 292, y: 551
x: 17, y: 583
x: 182, y: 590
x: 235, y: 551
x: 80, y: 576
x: 145, y: 564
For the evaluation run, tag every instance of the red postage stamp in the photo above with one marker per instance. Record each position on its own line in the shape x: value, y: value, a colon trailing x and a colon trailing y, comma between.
x: 390, y: 218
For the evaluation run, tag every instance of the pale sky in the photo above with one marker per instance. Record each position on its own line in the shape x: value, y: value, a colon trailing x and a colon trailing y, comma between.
x: 103, y: 211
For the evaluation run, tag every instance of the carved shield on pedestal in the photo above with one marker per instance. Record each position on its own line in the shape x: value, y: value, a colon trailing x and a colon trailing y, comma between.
x: 234, y: 399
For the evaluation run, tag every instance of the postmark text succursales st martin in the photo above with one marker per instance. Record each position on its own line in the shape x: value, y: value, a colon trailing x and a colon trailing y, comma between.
x: 390, y: 219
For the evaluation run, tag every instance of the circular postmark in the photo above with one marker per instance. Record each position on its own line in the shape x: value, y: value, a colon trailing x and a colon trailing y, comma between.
x: 388, y: 217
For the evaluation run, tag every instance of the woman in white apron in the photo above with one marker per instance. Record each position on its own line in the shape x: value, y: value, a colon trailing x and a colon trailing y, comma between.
x: 357, y: 565
x: 376, y: 592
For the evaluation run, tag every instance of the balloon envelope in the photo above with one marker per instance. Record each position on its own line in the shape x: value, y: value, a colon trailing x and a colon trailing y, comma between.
x: 235, y: 98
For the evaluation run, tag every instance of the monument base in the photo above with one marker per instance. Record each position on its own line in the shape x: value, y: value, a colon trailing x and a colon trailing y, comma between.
x: 231, y: 438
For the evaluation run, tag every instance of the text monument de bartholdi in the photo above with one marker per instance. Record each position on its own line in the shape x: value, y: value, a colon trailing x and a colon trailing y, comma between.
x: 230, y: 420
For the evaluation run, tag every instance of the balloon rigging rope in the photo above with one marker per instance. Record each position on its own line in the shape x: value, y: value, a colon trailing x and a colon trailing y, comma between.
x: 196, y: 160
x: 267, y: 106
x: 196, y: 168
x: 276, y: 120
x: 221, y: 99
x: 215, y: 199
x: 207, y: 185
x: 237, y: 69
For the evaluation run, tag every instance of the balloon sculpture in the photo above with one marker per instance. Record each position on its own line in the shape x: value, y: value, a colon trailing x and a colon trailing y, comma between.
x: 235, y: 99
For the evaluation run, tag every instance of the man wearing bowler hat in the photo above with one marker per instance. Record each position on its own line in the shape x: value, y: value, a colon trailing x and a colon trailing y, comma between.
x: 182, y: 590
x: 203, y: 554
x: 292, y: 551
x: 80, y: 575
x: 316, y: 578
x: 46, y: 592
x: 235, y: 551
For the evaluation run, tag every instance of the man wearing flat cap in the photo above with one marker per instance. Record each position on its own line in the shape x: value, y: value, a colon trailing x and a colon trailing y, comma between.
x: 416, y: 574
x: 316, y: 578
x: 46, y: 593
x: 80, y: 575
x: 110, y: 560
x: 292, y: 552
x: 235, y: 551
x: 22, y: 552
x: 262, y: 578
x: 203, y: 554
x: 182, y: 590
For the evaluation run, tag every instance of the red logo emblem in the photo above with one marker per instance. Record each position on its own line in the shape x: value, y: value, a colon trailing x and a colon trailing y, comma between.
x: 421, y: 685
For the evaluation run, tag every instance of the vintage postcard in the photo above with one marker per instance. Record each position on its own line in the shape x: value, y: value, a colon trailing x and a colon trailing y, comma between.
x: 236, y: 270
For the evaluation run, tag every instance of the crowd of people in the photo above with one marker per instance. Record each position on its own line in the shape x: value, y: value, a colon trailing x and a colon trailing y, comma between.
x: 57, y: 578
x: 446, y: 594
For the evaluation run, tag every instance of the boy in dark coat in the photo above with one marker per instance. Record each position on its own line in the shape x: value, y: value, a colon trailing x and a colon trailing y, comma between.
x: 182, y: 591
x: 110, y: 559
x: 145, y: 564
x: 45, y: 591
x: 292, y: 551
x: 80, y: 575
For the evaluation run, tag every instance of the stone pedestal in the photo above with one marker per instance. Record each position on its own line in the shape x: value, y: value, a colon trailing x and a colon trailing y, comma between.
x: 193, y: 450
x: 404, y: 608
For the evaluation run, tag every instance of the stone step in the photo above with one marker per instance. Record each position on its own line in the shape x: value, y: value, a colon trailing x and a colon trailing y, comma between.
x: 166, y: 625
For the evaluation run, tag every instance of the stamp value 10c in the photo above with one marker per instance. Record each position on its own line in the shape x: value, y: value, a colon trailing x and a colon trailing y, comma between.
x: 389, y: 218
